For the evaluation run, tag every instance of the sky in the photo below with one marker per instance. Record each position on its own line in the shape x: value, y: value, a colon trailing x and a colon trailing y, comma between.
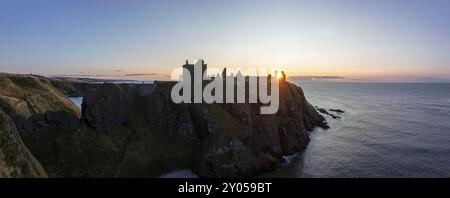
x: 385, y: 40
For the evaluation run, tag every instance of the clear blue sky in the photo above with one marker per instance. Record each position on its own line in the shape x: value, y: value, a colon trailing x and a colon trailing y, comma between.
x: 391, y: 39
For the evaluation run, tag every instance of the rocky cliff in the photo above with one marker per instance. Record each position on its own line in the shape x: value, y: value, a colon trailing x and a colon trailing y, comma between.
x: 21, y: 98
x: 216, y: 140
x: 137, y: 131
x: 15, y: 159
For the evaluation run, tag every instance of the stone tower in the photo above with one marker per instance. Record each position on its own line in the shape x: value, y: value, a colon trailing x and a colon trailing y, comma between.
x: 190, y: 68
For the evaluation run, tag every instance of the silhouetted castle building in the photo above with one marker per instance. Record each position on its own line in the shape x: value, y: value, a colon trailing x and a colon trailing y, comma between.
x: 191, y: 67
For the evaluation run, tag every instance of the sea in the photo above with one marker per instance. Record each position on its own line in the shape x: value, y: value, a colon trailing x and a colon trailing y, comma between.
x: 388, y: 130
x: 77, y: 101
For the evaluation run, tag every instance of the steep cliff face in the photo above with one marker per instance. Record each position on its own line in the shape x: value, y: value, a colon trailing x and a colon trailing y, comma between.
x: 230, y: 140
x: 15, y: 159
x: 235, y: 139
x: 109, y: 106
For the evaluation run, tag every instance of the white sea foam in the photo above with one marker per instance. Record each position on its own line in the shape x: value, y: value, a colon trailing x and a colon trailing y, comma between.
x: 186, y: 173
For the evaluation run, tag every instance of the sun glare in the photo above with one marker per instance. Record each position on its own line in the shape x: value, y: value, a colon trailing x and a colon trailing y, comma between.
x: 279, y: 76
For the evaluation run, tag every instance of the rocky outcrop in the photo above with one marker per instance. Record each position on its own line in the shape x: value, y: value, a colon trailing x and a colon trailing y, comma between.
x: 15, y: 159
x: 57, y: 120
x: 230, y: 140
x: 334, y: 116
x: 110, y: 106
x: 337, y: 110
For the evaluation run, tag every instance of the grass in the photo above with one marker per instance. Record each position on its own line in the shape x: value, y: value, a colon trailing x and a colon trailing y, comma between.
x: 31, y: 94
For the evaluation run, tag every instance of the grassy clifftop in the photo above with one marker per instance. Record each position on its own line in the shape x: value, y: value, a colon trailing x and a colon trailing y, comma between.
x: 22, y: 97
x: 27, y: 95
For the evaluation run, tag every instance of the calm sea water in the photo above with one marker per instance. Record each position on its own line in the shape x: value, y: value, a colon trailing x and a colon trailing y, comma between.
x: 388, y: 130
x: 77, y: 101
